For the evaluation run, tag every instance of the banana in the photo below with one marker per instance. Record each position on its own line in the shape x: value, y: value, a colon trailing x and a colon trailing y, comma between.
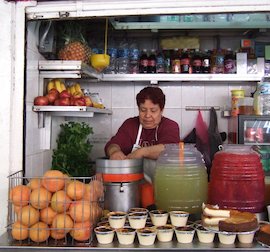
x: 68, y: 89
x: 58, y: 85
x: 72, y: 90
x: 78, y: 87
x: 50, y: 86
x: 63, y: 87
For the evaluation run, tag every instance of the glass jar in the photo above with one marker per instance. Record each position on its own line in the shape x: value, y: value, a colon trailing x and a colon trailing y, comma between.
x: 237, y: 179
x: 180, y: 180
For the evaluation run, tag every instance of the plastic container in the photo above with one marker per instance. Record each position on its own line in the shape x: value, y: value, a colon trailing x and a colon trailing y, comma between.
x: 237, y: 179
x: 180, y: 180
x: 262, y: 97
x: 246, y: 106
x: 236, y: 96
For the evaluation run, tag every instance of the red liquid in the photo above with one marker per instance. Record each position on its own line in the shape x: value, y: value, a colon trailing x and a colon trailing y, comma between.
x: 237, y: 182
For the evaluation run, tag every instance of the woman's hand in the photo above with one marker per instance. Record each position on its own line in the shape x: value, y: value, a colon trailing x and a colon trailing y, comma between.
x: 117, y: 155
x: 139, y: 153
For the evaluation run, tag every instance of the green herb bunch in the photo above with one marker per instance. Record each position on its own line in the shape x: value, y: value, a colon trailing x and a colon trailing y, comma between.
x: 73, y: 150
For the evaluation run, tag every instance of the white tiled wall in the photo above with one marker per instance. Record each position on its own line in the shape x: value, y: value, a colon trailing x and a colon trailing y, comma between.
x: 120, y: 98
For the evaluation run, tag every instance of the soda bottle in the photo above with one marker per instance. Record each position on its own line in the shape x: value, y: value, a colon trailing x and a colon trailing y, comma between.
x: 112, y: 68
x: 185, y: 62
x: 229, y: 62
x: 206, y: 62
x: 197, y: 62
x: 152, y: 62
x: 176, y: 67
x: 160, y: 62
x: 143, y: 62
x: 167, y: 61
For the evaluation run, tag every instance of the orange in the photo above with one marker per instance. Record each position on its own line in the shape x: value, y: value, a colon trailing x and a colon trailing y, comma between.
x: 40, y: 198
x: 53, y: 180
x: 19, y: 231
x: 20, y: 195
x: 39, y: 232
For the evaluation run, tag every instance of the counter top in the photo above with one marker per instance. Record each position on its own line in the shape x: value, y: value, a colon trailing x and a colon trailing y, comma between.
x: 5, y: 245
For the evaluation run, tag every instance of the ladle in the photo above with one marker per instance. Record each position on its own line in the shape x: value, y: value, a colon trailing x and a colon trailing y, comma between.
x: 101, y: 61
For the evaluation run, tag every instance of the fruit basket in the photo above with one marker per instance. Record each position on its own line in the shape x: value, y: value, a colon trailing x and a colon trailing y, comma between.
x: 53, y: 209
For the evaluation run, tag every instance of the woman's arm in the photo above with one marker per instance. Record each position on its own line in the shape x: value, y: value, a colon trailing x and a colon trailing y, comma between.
x: 114, y: 152
x: 151, y: 152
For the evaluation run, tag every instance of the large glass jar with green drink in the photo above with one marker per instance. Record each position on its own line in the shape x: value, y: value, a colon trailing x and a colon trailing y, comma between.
x: 180, y: 180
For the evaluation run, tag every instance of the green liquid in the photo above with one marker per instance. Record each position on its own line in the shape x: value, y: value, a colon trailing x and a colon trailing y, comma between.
x: 181, y: 188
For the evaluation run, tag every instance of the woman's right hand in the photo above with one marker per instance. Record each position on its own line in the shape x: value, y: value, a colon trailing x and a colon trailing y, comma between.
x: 118, y: 155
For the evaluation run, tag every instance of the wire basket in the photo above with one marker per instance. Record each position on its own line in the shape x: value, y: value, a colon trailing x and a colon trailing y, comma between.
x: 53, y: 210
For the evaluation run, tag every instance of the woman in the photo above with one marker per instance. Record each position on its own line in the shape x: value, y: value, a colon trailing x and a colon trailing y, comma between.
x: 144, y: 136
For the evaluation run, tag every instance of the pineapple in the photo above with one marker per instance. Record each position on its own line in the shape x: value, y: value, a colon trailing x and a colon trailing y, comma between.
x: 75, y: 46
x: 75, y: 50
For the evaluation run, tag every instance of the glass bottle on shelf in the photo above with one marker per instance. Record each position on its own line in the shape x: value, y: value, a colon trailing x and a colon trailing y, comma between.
x: 160, y: 62
x: 196, y: 62
x: 229, y: 62
x: 206, y: 62
x: 143, y: 62
x: 152, y: 62
x: 185, y: 62
x: 176, y: 67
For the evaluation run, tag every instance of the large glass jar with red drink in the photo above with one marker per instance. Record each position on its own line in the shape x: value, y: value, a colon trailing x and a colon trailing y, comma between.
x: 237, y: 179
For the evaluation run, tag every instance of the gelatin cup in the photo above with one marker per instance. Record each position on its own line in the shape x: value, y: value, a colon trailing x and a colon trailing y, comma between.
x: 179, y: 218
x: 104, y: 234
x: 184, y: 234
x: 137, y: 220
x: 146, y: 236
x: 204, y: 235
x: 159, y: 217
x: 117, y: 219
x: 126, y: 235
x: 165, y: 233
x: 226, y: 238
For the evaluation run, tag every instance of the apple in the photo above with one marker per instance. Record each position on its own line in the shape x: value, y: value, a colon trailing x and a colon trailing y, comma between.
x: 88, y: 101
x: 64, y: 94
x: 41, y: 101
x: 52, y: 96
x: 62, y: 102
x: 79, y: 101
x: 72, y: 100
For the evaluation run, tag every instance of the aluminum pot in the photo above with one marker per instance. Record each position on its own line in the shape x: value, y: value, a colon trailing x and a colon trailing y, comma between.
x: 127, y: 166
x: 122, y: 196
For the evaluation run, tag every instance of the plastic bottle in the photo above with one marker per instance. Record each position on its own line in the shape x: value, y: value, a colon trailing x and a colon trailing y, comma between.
x: 176, y: 67
x: 160, y: 63
x: 197, y: 62
x: 229, y: 62
x: 143, y: 62
x: 123, y: 61
x: 206, y: 62
x: 152, y: 62
x: 262, y: 97
x: 134, y: 60
x: 185, y: 62
x: 112, y: 68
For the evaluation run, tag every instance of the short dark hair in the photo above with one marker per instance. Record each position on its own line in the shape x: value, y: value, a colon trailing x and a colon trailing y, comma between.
x: 154, y: 94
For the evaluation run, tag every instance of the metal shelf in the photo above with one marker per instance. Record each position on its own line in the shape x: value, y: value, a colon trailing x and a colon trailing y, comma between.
x: 66, y: 69
x: 78, y: 111
x: 181, y: 77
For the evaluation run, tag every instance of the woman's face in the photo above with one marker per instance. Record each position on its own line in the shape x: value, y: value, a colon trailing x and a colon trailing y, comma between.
x: 149, y: 114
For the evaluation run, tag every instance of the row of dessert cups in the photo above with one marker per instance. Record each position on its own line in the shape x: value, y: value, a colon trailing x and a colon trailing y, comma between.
x: 137, y: 219
x: 146, y: 236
